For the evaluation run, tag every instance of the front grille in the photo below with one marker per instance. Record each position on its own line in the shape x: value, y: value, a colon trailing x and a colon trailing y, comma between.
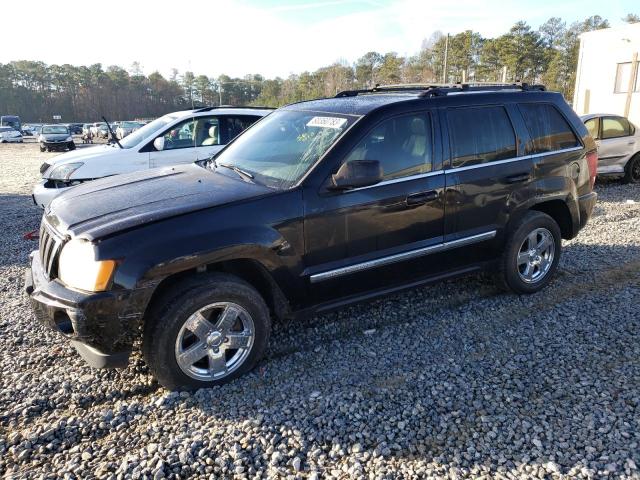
x: 44, y: 167
x: 50, y: 246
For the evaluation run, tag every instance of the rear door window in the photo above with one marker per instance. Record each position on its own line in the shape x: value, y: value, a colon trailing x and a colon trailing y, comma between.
x: 480, y: 135
x: 234, y: 126
x: 548, y: 129
x: 614, y: 127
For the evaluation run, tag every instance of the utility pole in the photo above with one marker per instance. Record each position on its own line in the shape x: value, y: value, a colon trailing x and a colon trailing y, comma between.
x: 446, y: 59
x: 632, y: 77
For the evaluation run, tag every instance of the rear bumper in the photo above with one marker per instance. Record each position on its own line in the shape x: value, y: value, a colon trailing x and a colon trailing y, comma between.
x: 101, y: 326
x: 585, y: 204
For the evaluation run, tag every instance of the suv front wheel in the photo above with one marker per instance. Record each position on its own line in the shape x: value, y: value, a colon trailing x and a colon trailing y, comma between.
x: 207, y: 331
x: 532, y: 253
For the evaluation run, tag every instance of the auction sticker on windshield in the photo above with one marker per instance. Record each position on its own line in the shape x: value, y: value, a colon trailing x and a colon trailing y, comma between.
x: 327, y: 122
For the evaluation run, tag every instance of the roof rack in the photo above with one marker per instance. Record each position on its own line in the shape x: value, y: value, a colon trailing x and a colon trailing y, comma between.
x: 208, y: 109
x: 436, y: 90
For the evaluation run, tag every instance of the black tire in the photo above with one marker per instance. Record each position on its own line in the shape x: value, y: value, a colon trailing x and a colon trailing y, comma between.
x: 509, y: 275
x: 72, y: 146
x: 632, y: 170
x: 166, y: 318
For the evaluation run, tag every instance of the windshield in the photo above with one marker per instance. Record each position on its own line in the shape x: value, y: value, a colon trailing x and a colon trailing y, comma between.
x: 55, y: 129
x: 147, y: 131
x: 283, y: 146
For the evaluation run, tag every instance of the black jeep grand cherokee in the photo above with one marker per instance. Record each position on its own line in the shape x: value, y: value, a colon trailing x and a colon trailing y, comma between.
x: 320, y: 204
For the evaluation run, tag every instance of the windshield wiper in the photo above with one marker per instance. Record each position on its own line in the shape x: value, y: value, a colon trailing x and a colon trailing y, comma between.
x: 238, y: 170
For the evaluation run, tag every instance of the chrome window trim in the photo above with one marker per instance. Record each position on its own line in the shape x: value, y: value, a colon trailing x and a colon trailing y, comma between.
x: 461, y: 169
x: 514, y: 159
x: 398, y: 180
x: 398, y: 257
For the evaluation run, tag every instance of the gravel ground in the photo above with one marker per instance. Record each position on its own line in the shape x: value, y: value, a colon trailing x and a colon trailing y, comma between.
x: 453, y: 380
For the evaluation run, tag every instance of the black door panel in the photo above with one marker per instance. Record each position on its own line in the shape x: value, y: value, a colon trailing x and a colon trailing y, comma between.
x: 370, y: 223
x: 480, y: 199
x: 483, y: 188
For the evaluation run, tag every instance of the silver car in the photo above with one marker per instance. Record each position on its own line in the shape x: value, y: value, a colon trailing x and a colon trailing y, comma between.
x: 618, y: 143
x: 126, y: 128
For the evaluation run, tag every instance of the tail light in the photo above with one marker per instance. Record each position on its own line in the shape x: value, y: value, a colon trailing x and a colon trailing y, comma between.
x: 592, y: 161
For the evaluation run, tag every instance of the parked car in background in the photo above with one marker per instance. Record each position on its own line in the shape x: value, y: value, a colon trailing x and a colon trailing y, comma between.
x: 75, y: 128
x: 55, y: 137
x: 103, y: 131
x: 28, y: 130
x: 618, y: 143
x: 320, y: 204
x: 10, y: 135
x: 126, y: 128
x: 12, y: 121
x: 96, y: 127
x: 180, y: 137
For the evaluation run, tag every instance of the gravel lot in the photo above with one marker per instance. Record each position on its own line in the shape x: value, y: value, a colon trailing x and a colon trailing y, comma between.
x: 453, y: 380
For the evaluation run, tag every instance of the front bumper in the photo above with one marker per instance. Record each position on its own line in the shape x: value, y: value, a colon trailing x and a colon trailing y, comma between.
x: 56, y: 145
x: 101, y: 326
x: 42, y: 195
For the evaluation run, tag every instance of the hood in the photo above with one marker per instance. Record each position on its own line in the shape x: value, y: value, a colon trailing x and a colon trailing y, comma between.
x: 83, y: 154
x: 109, y: 205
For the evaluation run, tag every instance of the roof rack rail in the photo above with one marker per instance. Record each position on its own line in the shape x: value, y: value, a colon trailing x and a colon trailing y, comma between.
x: 436, y: 89
x: 208, y: 109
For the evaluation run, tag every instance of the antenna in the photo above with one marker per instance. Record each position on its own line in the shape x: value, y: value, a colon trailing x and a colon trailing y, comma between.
x: 193, y: 107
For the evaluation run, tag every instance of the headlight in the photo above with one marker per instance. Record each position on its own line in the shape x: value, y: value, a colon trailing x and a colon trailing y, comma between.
x: 63, y: 172
x: 79, y: 269
x: 69, y: 139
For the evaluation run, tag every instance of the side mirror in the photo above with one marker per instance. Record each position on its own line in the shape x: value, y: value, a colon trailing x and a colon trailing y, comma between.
x: 355, y: 174
x: 158, y: 143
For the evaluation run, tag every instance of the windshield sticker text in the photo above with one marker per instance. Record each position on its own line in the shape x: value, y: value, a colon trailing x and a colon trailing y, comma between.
x: 327, y: 122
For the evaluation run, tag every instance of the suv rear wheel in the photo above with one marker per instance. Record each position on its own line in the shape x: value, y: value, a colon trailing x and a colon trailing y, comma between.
x: 531, y: 254
x: 208, y: 331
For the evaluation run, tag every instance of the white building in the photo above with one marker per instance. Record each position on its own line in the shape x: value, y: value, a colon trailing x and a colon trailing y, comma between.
x: 607, y: 80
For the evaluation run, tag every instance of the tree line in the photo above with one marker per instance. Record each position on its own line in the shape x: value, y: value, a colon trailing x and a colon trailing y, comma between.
x: 547, y: 55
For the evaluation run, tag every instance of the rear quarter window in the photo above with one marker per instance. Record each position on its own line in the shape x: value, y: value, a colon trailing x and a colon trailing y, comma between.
x: 547, y: 127
x: 480, y: 135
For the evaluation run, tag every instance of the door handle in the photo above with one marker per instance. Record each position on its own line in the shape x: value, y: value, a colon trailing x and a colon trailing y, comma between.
x: 422, y: 197
x: 517, y: 178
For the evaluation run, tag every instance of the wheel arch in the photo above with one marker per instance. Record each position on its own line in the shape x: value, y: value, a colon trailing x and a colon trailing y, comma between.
x: 247, y: 269
x: 561, y: 214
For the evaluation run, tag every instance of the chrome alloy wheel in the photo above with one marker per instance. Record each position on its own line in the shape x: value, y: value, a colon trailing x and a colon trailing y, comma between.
x: 535, y: 256
x: 214, y: 341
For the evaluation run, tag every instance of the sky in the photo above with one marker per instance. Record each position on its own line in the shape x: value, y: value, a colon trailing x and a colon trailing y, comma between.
x: 270, y: 37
